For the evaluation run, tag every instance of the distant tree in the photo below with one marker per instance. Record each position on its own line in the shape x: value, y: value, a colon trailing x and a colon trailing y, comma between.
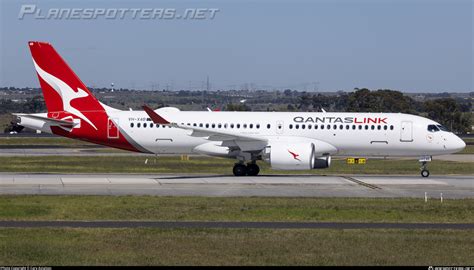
x: 288, y: 92
x: 364, y: 100
x: 237, y: 107
x: 305, y: 101
x: 36, y: 104
x: 449, y: 113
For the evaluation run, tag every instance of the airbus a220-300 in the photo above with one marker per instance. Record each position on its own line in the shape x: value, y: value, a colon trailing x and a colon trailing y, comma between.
x: 286, y: 140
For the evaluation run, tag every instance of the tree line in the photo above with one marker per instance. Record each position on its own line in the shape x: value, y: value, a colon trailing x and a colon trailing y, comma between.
x: 454, y: 113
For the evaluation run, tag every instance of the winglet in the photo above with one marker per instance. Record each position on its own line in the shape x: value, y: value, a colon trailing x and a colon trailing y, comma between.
x: 154, y: 116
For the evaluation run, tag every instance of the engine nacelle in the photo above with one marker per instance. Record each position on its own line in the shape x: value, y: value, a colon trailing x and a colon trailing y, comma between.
x: 294, y: 156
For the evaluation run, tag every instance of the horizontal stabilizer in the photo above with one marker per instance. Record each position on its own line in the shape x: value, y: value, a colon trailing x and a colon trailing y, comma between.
x: 51, y: 121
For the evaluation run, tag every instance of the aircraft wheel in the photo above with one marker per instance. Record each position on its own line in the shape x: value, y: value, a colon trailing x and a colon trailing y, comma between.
x: 240, y: 169
x: 425, y: 173
x: 252, y: 169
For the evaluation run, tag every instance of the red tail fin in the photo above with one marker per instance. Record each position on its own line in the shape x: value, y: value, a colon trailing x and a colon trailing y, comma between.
x: 68, y: 99
x: 63, y: 91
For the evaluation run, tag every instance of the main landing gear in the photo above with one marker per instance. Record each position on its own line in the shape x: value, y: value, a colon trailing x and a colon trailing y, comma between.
x: 251, y: 169
x: 424, y: 166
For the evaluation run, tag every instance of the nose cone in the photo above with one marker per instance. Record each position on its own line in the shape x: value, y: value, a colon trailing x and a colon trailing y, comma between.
x: 458, y: 144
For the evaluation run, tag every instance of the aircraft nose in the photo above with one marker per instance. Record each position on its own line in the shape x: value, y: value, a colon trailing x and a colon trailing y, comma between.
x: 458, y: 144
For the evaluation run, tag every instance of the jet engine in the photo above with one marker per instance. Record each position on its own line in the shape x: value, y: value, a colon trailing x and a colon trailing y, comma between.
x: 294, y: 156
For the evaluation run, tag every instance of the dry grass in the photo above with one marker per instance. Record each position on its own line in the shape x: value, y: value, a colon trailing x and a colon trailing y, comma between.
x: 234, y: 247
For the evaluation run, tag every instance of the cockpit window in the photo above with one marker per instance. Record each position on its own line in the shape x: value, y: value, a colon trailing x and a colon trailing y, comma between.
x: 443, y: 128
x: 432, y: 128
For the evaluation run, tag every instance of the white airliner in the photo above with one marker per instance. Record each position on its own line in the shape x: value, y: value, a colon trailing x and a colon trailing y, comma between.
x: 286, y: 140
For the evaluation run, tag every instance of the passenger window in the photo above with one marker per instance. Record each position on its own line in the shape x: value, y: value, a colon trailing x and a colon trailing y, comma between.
x: 200, y: 124
x: 379, y: 127
x: 372, y: 127
x: 157, y: 125
x: 366, y: 127
x: 138, y: 125
x: 291, y: 126
x: 245, y: 126
x: 268, y: 126
x: 360, y: 127
x: 310, y: 126
x: 231, y: 125
x: 322, y: 126
x: 303, y: 126
x: 131, y: 125
x: 144, y: 125
x: 353, y: 126
x: 207, y: 125
x: 347, y: 126
x: 251, y: 126
x: 315, y: 126
x: 391, y: 127
x: 213, y: 125
x: 297, y: 126
x: 238, y: 125
x: 384, y: 127
x: 258, y: 126
x: 219, y: 125
x: 334, y: 127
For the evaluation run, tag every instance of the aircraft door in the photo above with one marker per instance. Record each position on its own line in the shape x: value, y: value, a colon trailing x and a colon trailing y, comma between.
x: 112, y: 130
x: 406, y: 131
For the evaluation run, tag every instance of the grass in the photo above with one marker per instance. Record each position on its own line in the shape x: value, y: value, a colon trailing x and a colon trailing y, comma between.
x: 468, y: 150
x: 234, y: 247
x: 234, y: 209
x: 56, y: 141
x: 136, y: 164
x: 151, y: 246
x: 468, y: 139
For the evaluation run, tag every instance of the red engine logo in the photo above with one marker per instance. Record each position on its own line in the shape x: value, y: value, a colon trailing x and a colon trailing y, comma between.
x: 295, y: 156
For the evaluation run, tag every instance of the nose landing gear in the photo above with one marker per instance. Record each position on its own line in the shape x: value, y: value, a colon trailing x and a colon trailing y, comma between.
x: 424, y: 166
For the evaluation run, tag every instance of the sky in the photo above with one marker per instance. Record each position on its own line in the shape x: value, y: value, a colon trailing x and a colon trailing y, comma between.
x: 406, y: 45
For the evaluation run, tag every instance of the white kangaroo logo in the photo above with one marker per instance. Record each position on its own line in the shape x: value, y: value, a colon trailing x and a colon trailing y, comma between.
x: 66, y: 93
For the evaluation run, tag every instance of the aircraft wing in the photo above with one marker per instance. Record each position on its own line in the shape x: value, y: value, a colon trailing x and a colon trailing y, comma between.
x: 244, y: 142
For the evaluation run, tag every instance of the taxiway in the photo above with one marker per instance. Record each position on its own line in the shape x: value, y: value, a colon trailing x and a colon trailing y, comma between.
x: 374, y: 186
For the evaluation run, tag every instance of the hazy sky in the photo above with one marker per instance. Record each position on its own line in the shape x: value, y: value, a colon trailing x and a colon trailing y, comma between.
x: 409, y: 45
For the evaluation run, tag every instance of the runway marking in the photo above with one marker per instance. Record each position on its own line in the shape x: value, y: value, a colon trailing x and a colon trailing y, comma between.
x: 361, y: 183
x: 232, y: 225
